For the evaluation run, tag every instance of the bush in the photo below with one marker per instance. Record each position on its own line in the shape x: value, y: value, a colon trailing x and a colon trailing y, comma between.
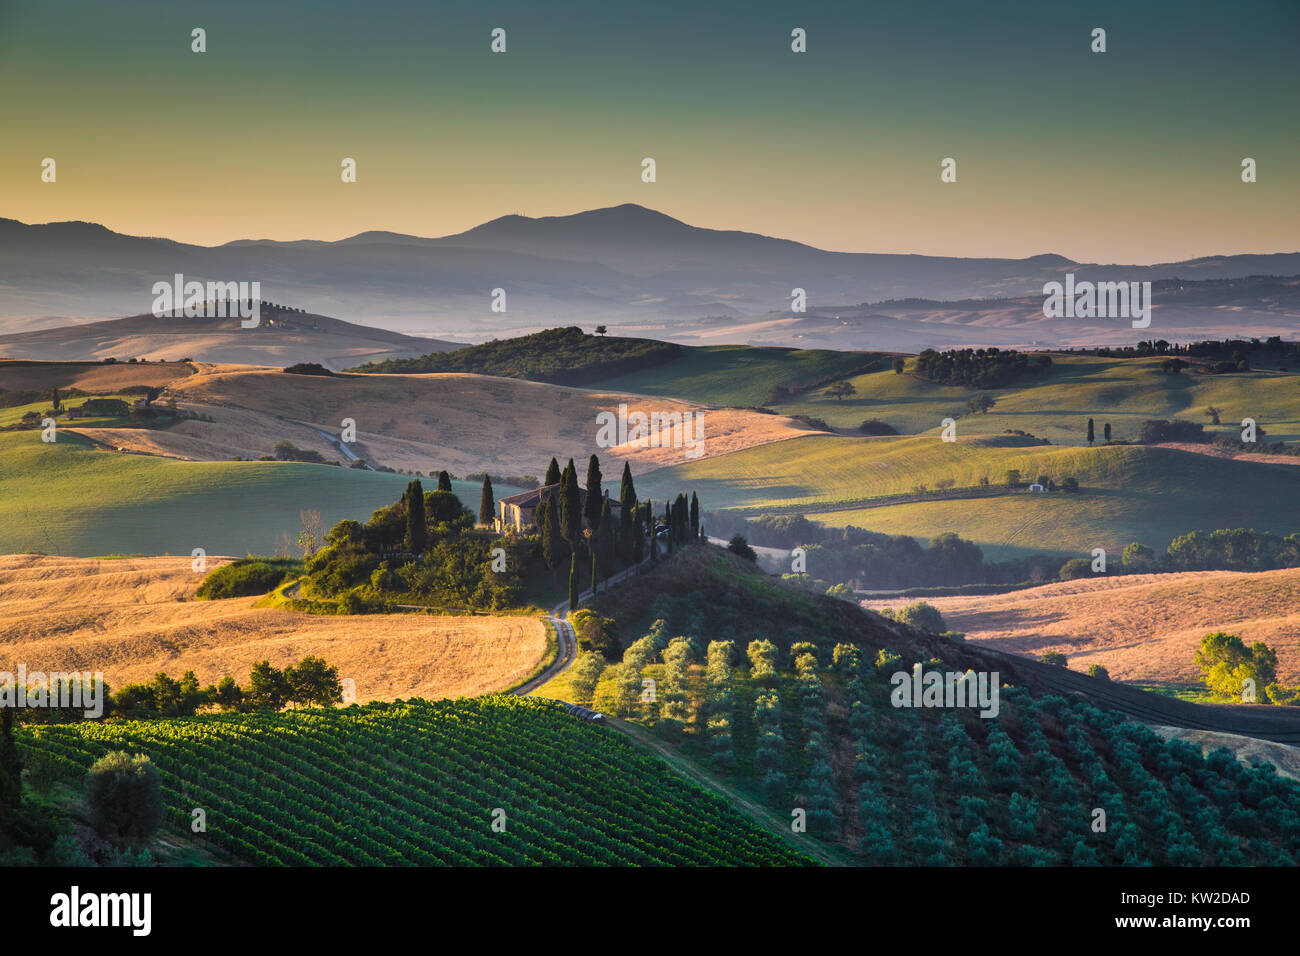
x: 124, y: 796
x: 738, y: 545
x: 308, y: 368
x: 1054, y: 657
x: 287, y: 451
x: 874, y: 426
x: 920, y: 615
x: 1096, y: 670
x: 1075, y: 568
x: 241, y: 579
x: 1160, y: 430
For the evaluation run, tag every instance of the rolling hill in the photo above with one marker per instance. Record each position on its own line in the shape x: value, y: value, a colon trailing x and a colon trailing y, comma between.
x: 283, y: 338
x: 1055, y: 403
x: 1142, y: 628
x: 1127, y: 492
x: 69, y: 498
x: 422, y: 422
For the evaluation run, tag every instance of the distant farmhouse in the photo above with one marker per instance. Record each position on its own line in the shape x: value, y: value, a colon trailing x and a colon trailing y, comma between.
x: 518, y: 513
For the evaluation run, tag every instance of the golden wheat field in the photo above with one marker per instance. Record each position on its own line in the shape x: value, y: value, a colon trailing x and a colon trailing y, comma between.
x: 1143, y: 627
x: 130, y: 618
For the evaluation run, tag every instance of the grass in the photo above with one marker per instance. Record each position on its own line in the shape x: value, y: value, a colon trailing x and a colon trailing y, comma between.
x: 1129, y: 492
x: 14, y: 413
x: 1056, y: 403
x: 69, y: 498
x: 737, y: 374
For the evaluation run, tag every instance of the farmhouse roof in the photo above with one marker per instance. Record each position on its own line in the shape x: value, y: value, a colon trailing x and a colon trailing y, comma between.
x: 531, y: 499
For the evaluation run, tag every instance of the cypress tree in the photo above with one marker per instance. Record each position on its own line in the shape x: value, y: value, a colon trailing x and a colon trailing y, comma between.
x: 553, y: 546
x: 552, y: 474
x: 605, y: 544
x: 627, y: 521
x: 417, y: 533
x: 487, y: 504
x: 570, y: 507
x: 1091, y: 433
x: 1106, y: 432
x: 595, y: 568
x: 668, y: 522
x: 638, y: 537
x: 573, y: 583
x: 592, y: 507
x: 444, y: 481
x: 695, y: 517
x: 625, y: 489
x: 654, y: 539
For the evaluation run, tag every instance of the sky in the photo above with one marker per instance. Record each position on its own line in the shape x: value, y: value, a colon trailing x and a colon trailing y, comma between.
x: 1132, y: 155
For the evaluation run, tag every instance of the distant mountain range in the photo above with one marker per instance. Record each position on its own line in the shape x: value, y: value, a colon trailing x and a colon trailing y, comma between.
x: 625, y: 266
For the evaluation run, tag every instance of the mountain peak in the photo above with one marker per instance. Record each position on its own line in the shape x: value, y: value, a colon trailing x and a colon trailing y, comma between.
x: 626, y: 220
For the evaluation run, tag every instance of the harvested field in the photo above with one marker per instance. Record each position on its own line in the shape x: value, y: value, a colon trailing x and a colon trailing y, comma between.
x: 133, y: 617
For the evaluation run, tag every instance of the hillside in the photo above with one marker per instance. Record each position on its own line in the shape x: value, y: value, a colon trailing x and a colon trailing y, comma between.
x: 130, y: 618
x: 816, y: 727
x: 416, y: 783
x: 283, y: 338
x: 1056, y: 403
x: 72, y: 499
x: 1128, y: 492
x: 423, y: 422
x: 563, y: 356
x: 1142, y: 628
x: 740, y: 375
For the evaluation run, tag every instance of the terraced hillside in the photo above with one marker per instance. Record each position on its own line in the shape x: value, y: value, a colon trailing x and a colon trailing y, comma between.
x: 422, y: 783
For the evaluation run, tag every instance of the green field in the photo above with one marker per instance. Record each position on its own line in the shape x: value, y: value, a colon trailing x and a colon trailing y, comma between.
x: 418, y: 783
x: 1127, y: 492
x: 737, y: 374
x: 13, y: 414
x: 69, y: 498
x: 1056, y: 403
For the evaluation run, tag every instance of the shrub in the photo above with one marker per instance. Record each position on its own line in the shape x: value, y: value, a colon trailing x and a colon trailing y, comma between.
x: 241, y: 579
x: 738, y: 545
x: 1055, y: 658
x: 874, y: 426
x: 920, y: 615
x: 124, y: 795
x: 1096, y: 670
x: 1075, y: 568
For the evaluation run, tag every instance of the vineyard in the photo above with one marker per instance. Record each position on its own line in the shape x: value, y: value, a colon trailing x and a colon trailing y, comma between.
x: 482, y: 781
x: 1049, y: 781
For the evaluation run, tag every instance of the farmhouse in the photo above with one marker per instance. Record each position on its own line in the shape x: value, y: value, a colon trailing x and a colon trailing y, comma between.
x: 518, y: 513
